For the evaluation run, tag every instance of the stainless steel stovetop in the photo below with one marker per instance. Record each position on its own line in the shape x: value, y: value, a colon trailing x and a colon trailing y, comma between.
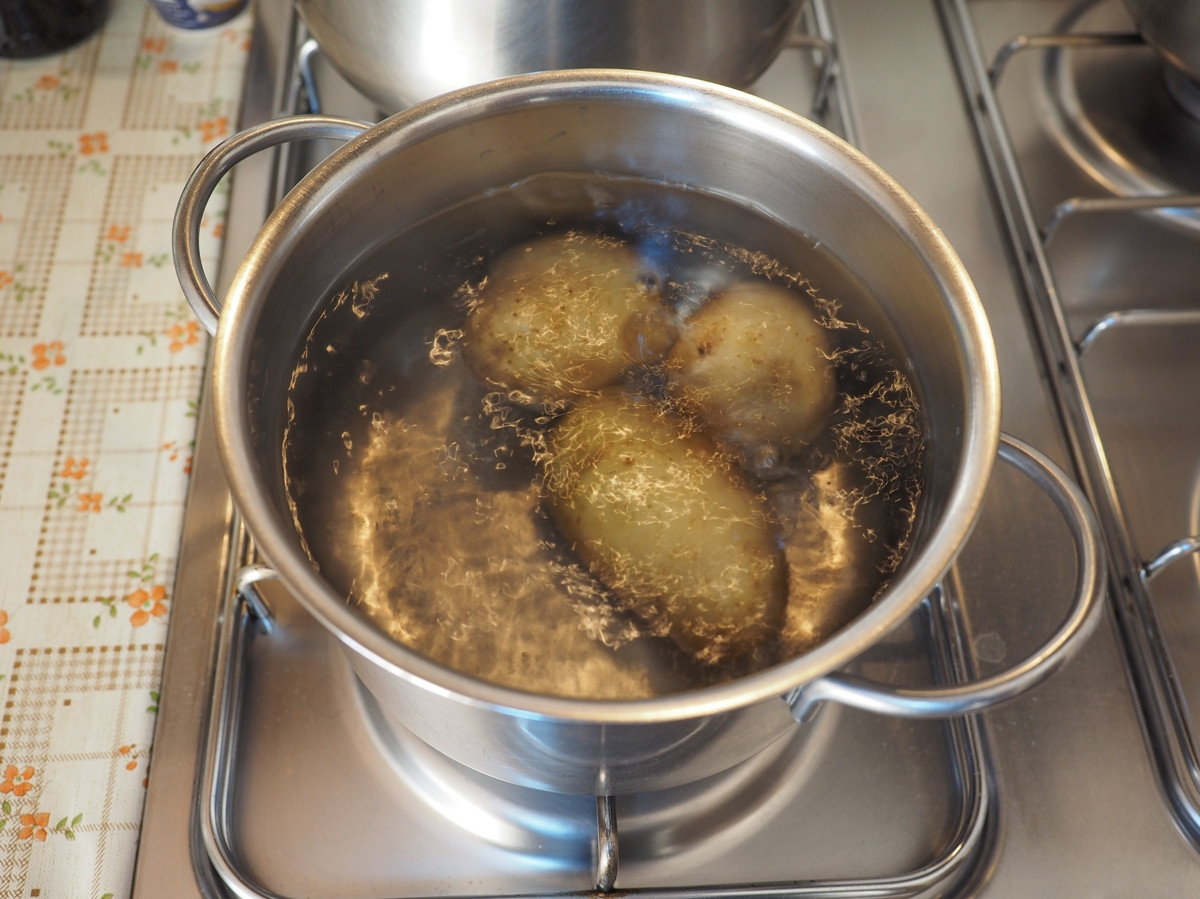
x: 273, y: 774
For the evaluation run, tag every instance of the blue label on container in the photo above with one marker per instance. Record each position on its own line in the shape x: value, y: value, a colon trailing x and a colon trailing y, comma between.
x: 195, y: 14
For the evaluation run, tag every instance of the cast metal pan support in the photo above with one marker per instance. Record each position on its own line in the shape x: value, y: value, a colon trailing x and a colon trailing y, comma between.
x: 247, y: 619
x: 1163, y: 705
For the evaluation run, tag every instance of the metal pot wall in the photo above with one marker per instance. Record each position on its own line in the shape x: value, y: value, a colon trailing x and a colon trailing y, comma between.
x: 662, y: 128
x: 398, y: 54
x: 1172, y: 27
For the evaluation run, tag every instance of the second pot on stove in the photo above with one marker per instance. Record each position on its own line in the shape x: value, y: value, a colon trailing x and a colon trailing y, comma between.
x: 398, y: 54
x: 1171, y: 27
x: 660, y: 128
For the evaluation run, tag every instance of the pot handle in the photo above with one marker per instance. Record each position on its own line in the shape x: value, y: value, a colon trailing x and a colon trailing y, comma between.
x: 961, y: 699
x: 220, y: 159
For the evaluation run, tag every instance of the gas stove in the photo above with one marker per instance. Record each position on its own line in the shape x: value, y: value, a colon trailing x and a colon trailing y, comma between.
x: 275, y: 775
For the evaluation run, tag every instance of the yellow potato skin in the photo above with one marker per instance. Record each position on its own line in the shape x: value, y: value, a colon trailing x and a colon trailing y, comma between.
x: 667, y: 526
x: 754, y: 366
x: 563, y: 315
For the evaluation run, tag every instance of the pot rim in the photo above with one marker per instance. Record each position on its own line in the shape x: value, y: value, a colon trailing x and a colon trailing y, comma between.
x: 282, y: 550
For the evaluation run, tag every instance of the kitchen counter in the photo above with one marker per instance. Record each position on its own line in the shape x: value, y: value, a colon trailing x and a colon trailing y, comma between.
x: 101, y: 363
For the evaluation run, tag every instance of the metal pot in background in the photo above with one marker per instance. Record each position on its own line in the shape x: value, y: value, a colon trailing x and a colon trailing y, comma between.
x: 1172, y: 27
x: 660, y: 128
x: 398, y: 54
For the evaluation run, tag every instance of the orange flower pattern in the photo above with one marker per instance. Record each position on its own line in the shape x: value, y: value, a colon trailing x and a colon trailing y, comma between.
x: 34, y: 825
x: 147, y: 604
x: 130, y: 751
x: 133, y: 756
x: 75, y: 468
x: 91, y: 144
x: 183, y: 335
x: 231, y: 35
x: 82, y: 492
x: 173, y: 450
x: 17, y: 781
x: 84, y: 479
x: 49, y: 85
x: 211, y: 129
x: 47, y: 354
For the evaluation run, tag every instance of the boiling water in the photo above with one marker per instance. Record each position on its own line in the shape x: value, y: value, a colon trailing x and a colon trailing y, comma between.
x: 416, y: 488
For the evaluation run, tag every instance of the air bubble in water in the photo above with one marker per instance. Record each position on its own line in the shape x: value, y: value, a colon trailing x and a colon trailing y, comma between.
x: 441, y: 347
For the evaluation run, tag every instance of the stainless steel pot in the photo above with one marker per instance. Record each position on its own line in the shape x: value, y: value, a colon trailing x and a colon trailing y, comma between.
x: 658, y: 127
x: 398, y: 54
x: 1172, y: 27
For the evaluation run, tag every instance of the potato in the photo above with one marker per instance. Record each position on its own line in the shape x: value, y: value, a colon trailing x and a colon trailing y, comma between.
x: 658, y: 516
x: 754, y: 366
x: 564, y: 315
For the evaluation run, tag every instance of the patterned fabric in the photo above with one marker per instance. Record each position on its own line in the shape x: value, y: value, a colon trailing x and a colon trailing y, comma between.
x: 100, y: 371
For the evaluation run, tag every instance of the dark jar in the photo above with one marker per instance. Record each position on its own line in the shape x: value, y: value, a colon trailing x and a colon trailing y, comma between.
x: 39, y: 27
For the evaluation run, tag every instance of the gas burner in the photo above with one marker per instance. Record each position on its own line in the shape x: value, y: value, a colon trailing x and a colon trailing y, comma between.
x: 1121, y: 112
x: 294, y: 734
x: 654, y: 824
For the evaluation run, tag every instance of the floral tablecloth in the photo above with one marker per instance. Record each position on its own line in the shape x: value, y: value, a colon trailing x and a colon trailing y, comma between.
x: 100, y: 373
